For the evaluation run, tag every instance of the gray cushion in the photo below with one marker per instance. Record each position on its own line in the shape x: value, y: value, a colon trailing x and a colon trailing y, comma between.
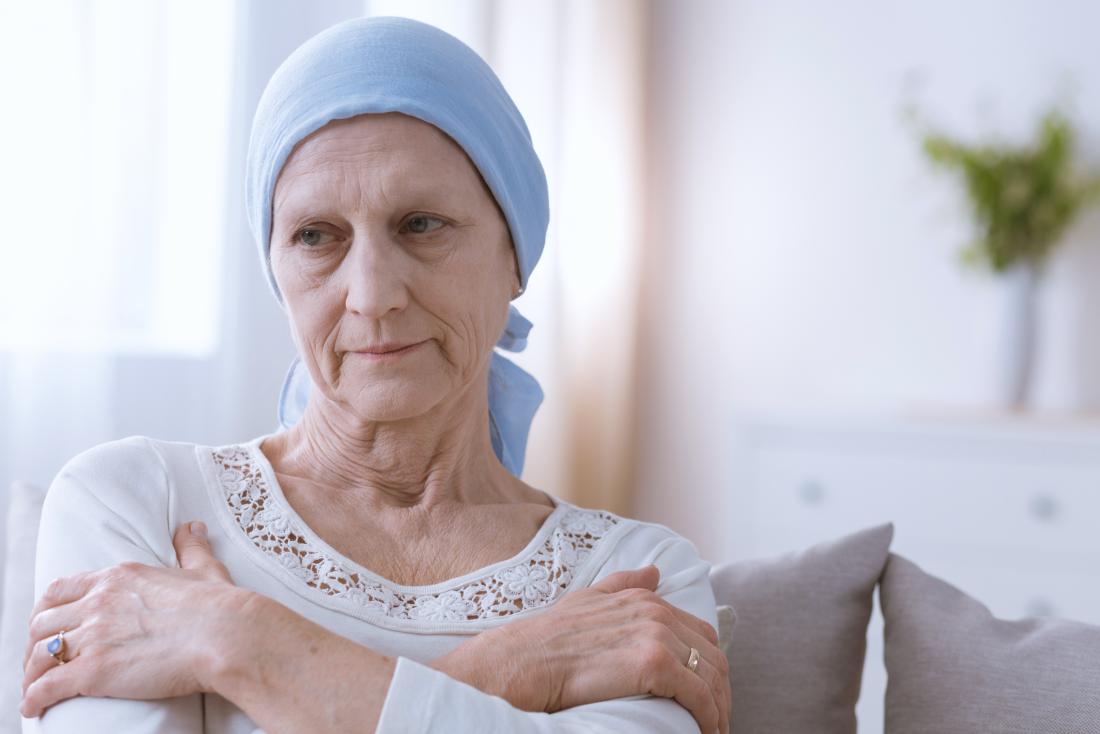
x: 954, y: 667
x: 796, y: 655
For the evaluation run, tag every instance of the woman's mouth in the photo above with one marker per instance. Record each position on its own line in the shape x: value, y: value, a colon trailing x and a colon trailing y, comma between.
x: 386, y: 354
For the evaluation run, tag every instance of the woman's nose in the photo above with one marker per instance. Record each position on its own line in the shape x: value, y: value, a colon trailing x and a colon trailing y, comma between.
x: 373, y: 277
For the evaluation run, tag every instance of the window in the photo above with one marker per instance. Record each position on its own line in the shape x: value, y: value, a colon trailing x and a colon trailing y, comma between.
x: 113, y: 163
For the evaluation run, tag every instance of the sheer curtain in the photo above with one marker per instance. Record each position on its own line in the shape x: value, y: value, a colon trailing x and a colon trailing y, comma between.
x: 112, y: 190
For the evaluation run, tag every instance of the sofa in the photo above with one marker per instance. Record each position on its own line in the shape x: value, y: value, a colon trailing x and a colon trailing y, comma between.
x: 794, y: 629
x: 795, y: 637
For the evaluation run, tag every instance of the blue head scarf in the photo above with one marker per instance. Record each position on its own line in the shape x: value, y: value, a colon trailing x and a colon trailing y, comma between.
x: 389, y: 64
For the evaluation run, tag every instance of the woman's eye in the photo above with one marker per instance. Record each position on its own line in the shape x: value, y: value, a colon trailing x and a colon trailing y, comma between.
x: 309, y: 237
x: 419, y: 223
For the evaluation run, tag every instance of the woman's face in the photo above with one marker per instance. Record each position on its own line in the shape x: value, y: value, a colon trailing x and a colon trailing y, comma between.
x: 383, y: 236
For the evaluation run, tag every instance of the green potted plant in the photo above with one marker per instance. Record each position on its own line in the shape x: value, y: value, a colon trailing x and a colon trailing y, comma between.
x: 1022, y: 200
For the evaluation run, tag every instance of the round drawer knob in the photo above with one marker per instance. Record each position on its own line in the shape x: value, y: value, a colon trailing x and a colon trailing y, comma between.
x: 1039, y: 607
x: 1044, y: 507
x: 811, y: 492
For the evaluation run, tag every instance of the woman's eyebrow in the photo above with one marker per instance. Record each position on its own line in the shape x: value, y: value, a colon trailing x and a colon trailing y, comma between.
x: 430, y: 196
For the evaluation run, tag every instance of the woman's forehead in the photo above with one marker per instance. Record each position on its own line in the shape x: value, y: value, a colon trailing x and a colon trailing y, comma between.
x: 326, y: 189
x: 378, y: 137
x: 394, y: 155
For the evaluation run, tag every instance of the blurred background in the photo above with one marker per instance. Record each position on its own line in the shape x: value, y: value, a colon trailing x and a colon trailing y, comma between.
x: 752, y: 320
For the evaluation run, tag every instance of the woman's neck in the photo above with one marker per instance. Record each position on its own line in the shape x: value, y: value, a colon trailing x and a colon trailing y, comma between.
x: 441, y: 457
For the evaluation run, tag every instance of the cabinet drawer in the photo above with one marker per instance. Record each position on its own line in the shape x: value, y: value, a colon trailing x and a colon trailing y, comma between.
x: 1045, y: 585
x: 1039, y: 506
x: 1012, y: 582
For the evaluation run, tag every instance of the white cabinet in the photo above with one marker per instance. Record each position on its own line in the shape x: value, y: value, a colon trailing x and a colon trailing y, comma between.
x: 1007, y: 509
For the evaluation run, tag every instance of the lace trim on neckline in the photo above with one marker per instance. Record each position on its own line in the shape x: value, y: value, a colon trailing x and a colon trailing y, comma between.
x: 531, y: 582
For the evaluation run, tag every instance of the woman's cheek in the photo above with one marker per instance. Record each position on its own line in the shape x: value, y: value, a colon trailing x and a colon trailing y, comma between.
x: 463, y: 342
x: 310, y: 274
x: 309, y: 330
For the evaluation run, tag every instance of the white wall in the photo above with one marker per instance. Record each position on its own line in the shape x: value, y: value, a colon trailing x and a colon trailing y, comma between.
x: 806, y: 252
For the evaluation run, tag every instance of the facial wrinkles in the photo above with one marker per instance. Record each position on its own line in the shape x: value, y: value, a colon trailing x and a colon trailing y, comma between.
x: 357, y: 199
x: 365, y: 189
x: 352, y: 188
x: 367, y: 159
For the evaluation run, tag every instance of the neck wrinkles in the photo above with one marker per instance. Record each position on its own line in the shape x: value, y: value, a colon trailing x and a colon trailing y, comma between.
x: 443, y: 456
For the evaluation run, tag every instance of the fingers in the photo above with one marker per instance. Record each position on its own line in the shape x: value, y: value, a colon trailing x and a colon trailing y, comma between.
x: 62, y: 592
x: 700, y: 626
x: 66, y: 589
x: 69, y: 590
x: 690, y: 689
x: 718, y: 691
x: 40, y: 661
x: 680, y: 631
x: 193, y: 552
x: 712, y: 668
x: 646, y: 577
x: 56, y: 684
x: 48, y: 622
x: 630, y: 594
x: 705, y: 639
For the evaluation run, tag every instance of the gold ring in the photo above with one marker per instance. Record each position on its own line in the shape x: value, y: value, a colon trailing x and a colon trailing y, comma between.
x: 56, y: 647
x: 693, y: 660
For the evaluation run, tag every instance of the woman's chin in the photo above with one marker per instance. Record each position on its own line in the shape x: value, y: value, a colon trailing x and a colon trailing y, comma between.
x: 394, y: 405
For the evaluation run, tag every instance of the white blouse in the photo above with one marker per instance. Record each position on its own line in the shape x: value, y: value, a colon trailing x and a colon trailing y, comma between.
x: 122, y: 500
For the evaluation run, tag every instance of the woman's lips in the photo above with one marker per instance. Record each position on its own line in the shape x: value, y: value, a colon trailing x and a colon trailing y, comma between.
x: 391, y: 355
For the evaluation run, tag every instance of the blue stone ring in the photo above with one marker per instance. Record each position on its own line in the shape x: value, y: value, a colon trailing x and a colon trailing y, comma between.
x: 56, y: 647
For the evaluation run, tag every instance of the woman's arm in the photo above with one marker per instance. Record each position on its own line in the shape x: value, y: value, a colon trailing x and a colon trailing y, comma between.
x: 578, y: 668
x: 292, y: 675
x: 91, y: 519
x: 590, y: 686
x: 287, y: 673
x: 172, y: 632
x: 325, y: 679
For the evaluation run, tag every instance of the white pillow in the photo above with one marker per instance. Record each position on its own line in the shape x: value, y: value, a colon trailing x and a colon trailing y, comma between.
x: 24, y: 511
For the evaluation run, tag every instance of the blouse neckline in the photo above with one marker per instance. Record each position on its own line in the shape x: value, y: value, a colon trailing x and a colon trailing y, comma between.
x: 567, y: 548
x: 276, y: 491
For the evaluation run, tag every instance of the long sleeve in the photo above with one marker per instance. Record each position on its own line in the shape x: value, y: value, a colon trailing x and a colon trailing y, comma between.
x: 421, y: 698
x: 107, y: 505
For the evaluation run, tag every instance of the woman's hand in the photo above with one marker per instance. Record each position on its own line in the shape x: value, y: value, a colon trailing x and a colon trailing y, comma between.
x: 131, y: 630
x: 613, y: 639
x: 143, y: 632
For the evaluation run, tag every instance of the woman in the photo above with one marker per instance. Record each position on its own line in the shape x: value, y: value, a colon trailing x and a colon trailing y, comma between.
x: 378, y: 565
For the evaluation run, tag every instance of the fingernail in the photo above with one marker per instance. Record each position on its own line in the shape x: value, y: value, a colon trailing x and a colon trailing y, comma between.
x: 198, y: 529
